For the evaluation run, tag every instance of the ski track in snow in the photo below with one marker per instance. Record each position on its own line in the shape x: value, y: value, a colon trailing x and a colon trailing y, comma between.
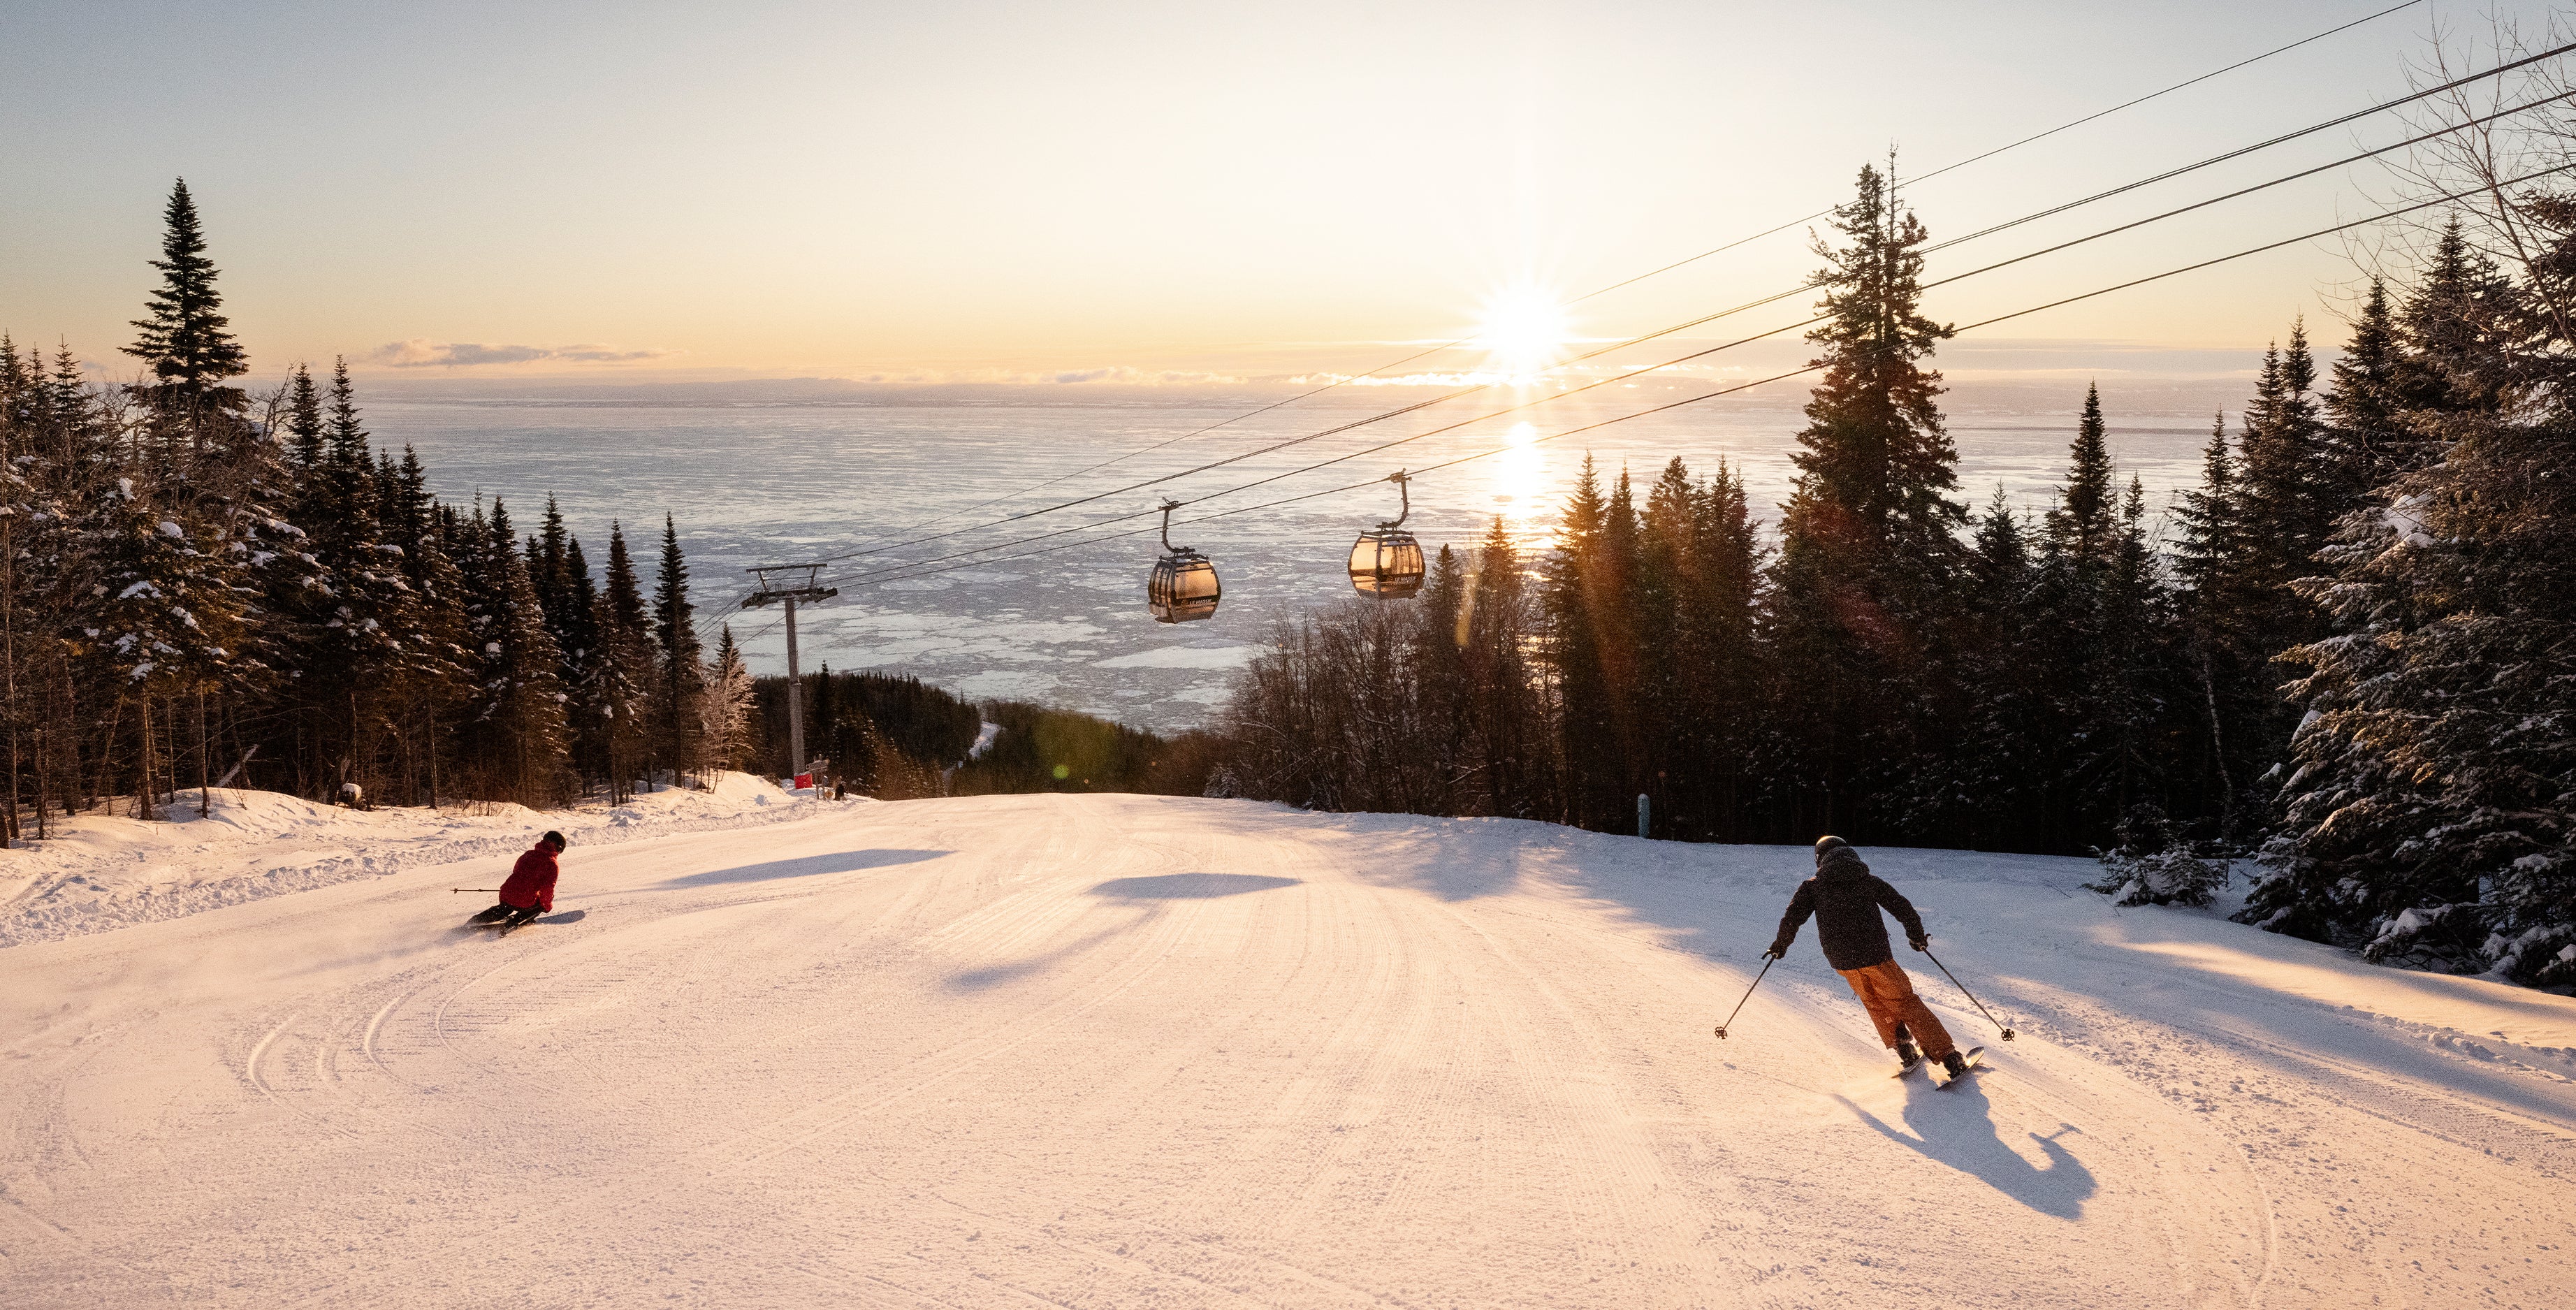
x: 1126, y: 1051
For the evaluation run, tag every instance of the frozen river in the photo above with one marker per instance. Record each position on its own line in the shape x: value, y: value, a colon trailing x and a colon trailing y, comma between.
x: 759, y: 483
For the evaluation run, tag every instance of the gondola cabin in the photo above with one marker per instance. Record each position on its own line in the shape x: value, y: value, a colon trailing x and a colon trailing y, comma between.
x: 1386, y: 563
x: 1184, y: 585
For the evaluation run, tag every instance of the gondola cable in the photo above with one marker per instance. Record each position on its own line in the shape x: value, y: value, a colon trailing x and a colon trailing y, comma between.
x: 1704, y: 396
x: 1783, y: 295
x: 1617, y: 378
x: 1615, y: 286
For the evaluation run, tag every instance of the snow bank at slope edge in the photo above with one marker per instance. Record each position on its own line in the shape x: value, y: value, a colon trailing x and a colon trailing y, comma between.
x: 107, y: 872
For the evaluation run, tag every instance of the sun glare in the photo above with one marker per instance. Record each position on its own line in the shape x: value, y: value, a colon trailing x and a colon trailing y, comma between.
x: 1524, y: 331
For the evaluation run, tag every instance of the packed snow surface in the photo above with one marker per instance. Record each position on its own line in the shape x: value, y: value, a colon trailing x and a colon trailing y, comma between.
x: 1118, y: 1051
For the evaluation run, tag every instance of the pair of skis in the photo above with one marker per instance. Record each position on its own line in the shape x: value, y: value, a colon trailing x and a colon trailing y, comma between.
x: 506, y: 926
x: 1945, y: 1080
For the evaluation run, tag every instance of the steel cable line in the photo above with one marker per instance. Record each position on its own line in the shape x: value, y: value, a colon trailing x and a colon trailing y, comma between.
x: 1605, y: 290
x: 1589, y: 295
x: 898, y: 569
x: 2015, y: 145
x: 1621, y: 377
x: 2384, y: 215
x: 1783, y: 295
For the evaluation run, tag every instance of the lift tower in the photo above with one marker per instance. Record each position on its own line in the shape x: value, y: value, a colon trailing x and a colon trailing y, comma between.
x: 788, y: 584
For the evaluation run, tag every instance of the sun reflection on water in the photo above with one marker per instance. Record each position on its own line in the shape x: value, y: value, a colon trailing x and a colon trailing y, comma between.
x: 1518, y: 485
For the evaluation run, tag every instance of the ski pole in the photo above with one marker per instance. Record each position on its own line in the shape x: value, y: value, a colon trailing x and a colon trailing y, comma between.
x: 1972, y: 996
x: 1768, y: 960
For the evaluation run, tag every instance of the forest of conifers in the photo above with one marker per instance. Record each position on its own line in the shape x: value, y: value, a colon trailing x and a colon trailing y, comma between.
x: 2349, y: 652
x: 202, y: 587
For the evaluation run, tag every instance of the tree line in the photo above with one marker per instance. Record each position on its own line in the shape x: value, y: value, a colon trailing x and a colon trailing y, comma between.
x: 2350, y: 650
x: 203, y: 587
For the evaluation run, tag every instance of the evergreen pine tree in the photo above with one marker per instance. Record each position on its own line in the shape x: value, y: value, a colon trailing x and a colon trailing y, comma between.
x: 1864, y: 587
x: 1573, y: 598
x: 517, y: 743
x: 168, y: 625
x: 680, y: 677
x: 728, y: 707
x: 619, y: 678
x: 2433, y: 810
x: 2082, y: 526
x: 304, y: 420
x: 2367, y: 446
x: 186, y: 341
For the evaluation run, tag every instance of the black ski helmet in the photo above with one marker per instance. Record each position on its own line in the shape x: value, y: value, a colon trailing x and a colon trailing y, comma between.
x: 1826, y: 843
x: 557, y: 838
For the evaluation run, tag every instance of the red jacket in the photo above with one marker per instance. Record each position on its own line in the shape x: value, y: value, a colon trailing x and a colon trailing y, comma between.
x: 532, y: 880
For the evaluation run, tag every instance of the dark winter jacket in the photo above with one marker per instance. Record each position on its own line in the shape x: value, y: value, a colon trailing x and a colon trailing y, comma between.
x: 532, y: 881
x: 1845, y: 898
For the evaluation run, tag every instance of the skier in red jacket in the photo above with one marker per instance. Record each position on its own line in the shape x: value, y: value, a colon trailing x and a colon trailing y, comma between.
x: 530, y: 888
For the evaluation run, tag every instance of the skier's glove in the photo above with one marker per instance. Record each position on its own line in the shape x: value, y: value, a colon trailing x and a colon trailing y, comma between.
x: 1919, y: 943
x: 1772, y: 954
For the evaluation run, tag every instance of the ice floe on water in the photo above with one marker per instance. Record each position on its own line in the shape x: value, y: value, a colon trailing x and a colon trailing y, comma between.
x: 1184, y: 657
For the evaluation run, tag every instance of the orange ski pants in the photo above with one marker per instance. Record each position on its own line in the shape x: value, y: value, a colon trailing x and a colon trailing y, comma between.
x: 1888, y: 995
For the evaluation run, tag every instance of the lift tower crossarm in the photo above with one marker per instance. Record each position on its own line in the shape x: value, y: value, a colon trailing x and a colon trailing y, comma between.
x: 787, y: 584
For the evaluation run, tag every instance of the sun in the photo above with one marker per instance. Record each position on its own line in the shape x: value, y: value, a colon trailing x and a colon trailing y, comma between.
x: 1524, y: 331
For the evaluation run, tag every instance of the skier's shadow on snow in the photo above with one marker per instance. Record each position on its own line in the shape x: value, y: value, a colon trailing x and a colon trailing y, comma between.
x: 1942, y: 1131
x: 1142, y: 896
x: 805, y: 867
x: 1187, y: 886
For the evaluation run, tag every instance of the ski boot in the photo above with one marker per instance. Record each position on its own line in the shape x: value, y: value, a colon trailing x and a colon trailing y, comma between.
x: 1908, y: 1055
x: 1955, y: 1064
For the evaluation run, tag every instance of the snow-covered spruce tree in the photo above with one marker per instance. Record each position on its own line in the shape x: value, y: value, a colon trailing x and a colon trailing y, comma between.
x: 357, y: 654
x: 2432, y: 817
x: 22, y: 504
x: 2284, y: 492
x: 727, y: 706
x: 516, y: 743
x: 2153, y: 865
x: 435, y: 683
x: 2063, y: 665
x: 167, y: 626
x: 2215, y: 631
x: 565, y: 590
x: 1865, y: 584
x: 618, y: 678
x: 61, y: 470
x: 2135, y: 674
x: 679, y: 674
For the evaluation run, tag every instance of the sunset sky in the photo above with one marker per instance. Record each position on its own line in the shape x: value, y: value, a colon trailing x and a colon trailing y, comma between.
x: 1140, y: 191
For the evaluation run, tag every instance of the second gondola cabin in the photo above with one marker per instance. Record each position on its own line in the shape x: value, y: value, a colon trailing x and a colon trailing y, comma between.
x: 1386, y: 562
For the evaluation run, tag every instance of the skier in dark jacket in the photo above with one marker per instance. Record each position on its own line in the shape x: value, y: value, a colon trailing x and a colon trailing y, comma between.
x: 530, y: 888
x: 1846, y: 897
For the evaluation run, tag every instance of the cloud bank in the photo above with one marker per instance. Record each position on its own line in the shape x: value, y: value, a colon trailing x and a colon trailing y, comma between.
x: 421, y: 352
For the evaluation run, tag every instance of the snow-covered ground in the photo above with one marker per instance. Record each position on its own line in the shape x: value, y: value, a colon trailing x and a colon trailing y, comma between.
x: 1121, y: 1051
x: 105, y: 869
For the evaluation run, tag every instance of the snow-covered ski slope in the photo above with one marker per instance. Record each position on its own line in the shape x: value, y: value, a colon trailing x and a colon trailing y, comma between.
x: 1118, y: 1051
